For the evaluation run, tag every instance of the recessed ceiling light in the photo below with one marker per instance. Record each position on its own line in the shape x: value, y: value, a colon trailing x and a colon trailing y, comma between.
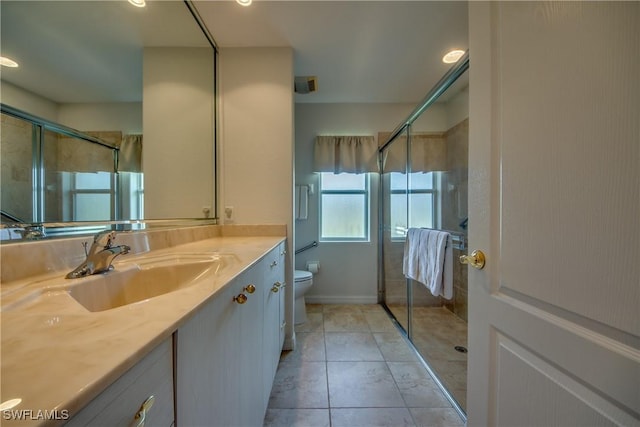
x: 138, y: 3
x: 8, y: 62
x: 244, y: 2
x: 452, y: 56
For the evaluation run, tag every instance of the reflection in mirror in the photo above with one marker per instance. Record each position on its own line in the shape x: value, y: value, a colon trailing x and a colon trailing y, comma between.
x: 52, y: 174
x: 81, y: 67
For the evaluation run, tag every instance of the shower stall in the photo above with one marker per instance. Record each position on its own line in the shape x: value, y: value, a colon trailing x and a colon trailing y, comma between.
x: 424, y: 165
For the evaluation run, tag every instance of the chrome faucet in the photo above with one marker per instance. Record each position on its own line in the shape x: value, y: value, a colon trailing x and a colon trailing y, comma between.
x: 100, y: 255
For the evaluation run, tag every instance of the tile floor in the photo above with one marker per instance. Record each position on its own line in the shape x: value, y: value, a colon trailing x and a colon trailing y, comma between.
x: 436, y: 333
x: 354, y: 368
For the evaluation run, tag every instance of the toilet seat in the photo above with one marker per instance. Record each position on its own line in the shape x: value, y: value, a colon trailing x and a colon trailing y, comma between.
x: 301, y: 275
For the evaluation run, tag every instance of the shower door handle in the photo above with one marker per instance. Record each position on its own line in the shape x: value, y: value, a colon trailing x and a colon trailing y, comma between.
x: 475, y: 260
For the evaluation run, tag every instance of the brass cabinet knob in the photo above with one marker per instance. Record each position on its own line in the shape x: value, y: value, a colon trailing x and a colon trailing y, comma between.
x: 276, y: 287
x: 240, y: 299
x: 250, y: 288
x: 475, y: 260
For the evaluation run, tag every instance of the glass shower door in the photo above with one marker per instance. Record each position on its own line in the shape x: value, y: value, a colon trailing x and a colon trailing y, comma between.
x: 394, y: 218
x: 429, y: 190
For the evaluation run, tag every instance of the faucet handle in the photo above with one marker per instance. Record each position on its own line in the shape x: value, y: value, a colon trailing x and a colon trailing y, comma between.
x: 104, y: 238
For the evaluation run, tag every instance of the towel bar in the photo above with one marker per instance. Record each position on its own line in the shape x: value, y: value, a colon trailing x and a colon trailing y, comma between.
x: 309, y: 246
x: 459, y: 239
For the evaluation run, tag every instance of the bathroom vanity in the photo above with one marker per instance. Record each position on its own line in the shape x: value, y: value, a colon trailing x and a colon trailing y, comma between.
x: 203, y: 352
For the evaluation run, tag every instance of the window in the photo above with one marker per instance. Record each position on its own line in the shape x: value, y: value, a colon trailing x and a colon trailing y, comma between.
x: 344, y: 207
x: 92, y: 196
x: 417, y: 193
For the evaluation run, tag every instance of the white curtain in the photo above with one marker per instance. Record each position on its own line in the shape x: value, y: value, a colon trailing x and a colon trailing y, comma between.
x: 428, y: 153
x: 349, y: 154
x: 130, y: 155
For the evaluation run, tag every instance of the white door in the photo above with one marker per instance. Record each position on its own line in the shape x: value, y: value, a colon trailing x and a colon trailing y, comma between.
x: 554, y: 319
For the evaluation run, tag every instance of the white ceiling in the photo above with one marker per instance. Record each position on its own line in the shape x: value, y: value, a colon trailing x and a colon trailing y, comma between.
x: 361, y: 51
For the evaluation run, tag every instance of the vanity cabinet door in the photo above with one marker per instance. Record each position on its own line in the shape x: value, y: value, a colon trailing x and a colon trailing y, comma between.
x: 249, y: 335
x: 208, y: 364
x: 283, y: 290
x: 227, y: 354
x: 119, y: 403
x: 274, y: 278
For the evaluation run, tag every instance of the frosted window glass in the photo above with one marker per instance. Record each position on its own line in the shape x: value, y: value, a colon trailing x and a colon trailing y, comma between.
x: 92, y: 207
x: 343, y: 216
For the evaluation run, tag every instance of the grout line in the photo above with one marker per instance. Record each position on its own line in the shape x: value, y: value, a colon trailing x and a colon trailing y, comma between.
x: 326, y: 365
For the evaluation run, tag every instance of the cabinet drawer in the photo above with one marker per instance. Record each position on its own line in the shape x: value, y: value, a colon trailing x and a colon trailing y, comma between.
x: 121, y: 401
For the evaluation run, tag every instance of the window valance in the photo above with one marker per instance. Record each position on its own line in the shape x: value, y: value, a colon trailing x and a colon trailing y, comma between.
x: 428, y: 153
x: 345, y: 154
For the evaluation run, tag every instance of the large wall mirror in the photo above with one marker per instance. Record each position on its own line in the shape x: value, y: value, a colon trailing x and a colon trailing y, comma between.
x: 110, y: 114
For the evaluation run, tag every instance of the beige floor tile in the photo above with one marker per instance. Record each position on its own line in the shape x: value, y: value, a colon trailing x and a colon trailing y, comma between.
x: 352, y: 347
x: 416, y: 386
x: 341, y: 308
x: 310, y: 347
x: 436, y: 417
x: 394, y: 348
x: 314, y: 323
x: 371, y: 308
x: 460, y: 395
x: 314, y: 308
x: 371, y: 417
x: 362, y: 384
x: 345, y: 321
x: 379, y: 321
x: 297, y: 417
x: 300, y: 386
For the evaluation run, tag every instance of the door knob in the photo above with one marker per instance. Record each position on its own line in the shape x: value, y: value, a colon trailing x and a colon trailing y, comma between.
x: 475, y: 260
x: 240, y: 299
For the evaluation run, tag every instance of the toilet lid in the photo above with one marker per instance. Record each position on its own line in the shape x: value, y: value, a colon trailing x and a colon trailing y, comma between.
x: 301, y: 275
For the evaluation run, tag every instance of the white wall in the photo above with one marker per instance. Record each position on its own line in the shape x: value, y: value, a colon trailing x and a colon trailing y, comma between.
x: 177, y: 159
x: 29, y: 102
x: 348, y: 271
x: 458, y: 107
x: 256, y: 143
x: 123, y: 116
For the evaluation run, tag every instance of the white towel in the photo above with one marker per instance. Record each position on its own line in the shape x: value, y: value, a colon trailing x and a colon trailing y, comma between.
x: 302, y: 201
x: 428, y: 258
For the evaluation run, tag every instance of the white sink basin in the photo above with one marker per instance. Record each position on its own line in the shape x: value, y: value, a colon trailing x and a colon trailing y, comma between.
x: 149, y: 277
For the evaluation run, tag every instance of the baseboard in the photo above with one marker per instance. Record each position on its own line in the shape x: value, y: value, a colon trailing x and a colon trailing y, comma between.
x: 332, y: 299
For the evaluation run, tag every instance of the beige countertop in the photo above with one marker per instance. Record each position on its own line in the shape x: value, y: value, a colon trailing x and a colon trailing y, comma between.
x: 56, y: 355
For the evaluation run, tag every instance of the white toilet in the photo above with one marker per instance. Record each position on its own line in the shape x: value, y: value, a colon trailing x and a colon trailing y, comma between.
x: 302, y: 283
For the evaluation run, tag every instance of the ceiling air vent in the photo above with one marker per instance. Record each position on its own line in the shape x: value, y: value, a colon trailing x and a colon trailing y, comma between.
x: 306, y: 84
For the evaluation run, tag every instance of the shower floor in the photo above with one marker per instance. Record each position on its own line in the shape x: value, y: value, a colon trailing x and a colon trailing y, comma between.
x: 436, y: 333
